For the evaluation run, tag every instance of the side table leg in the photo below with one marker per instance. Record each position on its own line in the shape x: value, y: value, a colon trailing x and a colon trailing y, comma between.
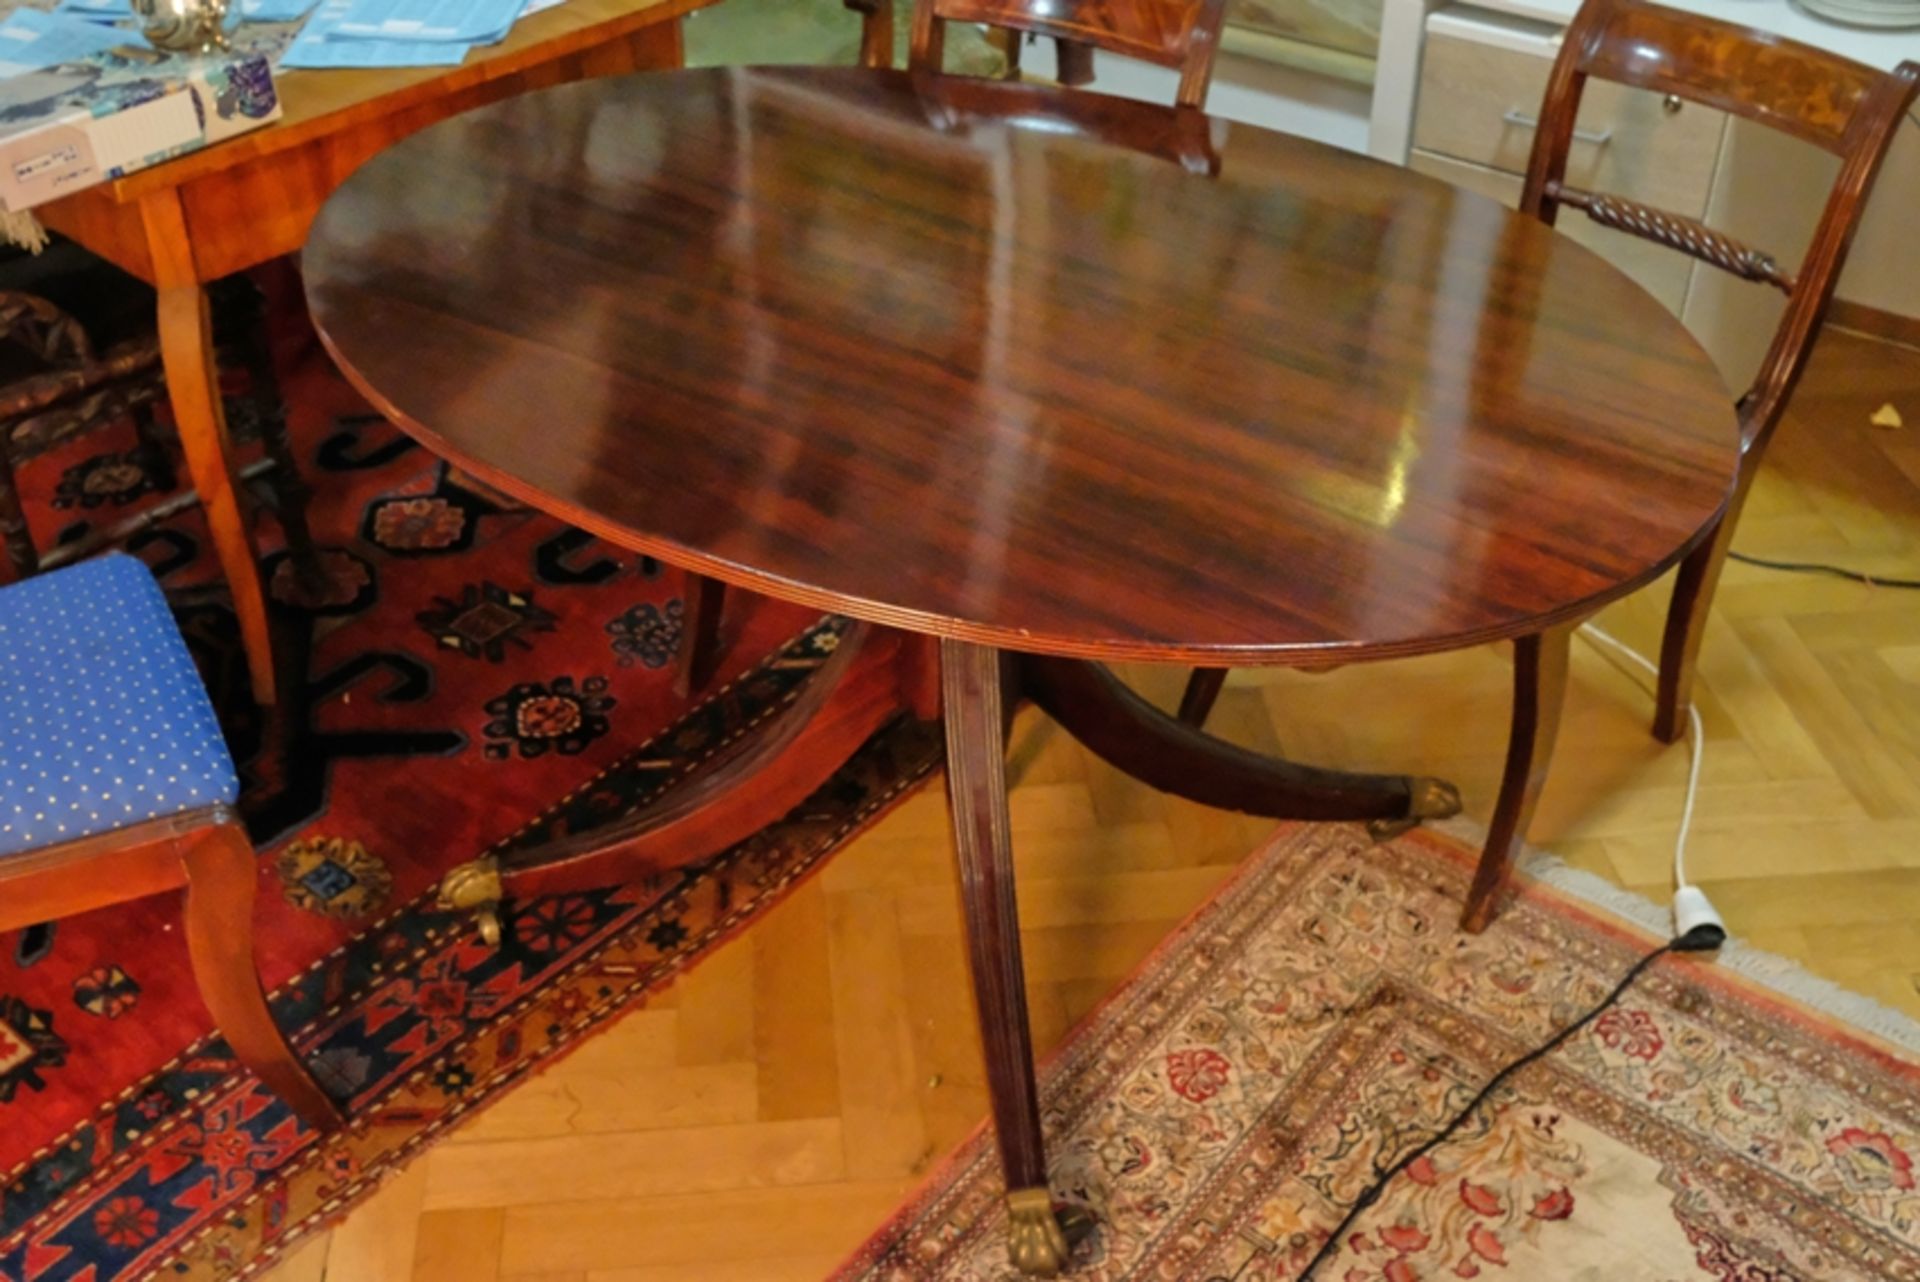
x: 193, y: 386
x: 973, y: 702
x: 1539, y: 690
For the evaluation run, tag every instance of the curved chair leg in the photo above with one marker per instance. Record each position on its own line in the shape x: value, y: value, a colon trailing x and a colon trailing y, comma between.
x: 221, y: 876
x: 1202, y: 692
x: 1539, y: 690
x: 699, y: 658
x: 1693, y: 591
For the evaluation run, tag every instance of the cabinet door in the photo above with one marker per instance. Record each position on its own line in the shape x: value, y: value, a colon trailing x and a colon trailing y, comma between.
x: 1661, y: 272
x: 1479, y: 102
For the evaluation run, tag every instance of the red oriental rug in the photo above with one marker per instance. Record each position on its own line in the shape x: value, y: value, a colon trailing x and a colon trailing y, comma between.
x: 482, y: 675
x: 1323, y: 1016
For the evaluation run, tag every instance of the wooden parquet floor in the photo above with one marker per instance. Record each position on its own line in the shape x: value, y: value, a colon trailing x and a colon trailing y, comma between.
x: 759, y: 1120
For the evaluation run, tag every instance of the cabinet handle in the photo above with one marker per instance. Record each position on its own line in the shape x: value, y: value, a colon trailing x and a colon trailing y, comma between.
x: 1516, y: 117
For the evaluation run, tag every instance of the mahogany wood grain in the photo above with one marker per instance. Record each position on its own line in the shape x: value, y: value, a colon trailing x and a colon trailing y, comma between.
x: 1816, y: 96
x: 975, y: 717
x: 807, y: 331
x: 206, y: 852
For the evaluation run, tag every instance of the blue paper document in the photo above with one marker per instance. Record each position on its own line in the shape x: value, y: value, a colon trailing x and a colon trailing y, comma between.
x: 319, y: 46
x: 459, y: 21
x: 274, y: 10
x: 30, y: 40
x: 96, y: 8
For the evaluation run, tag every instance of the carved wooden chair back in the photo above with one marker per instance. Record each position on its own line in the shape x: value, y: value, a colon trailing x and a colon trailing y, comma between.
x: 1182, y: 34
x: 1818, y: 97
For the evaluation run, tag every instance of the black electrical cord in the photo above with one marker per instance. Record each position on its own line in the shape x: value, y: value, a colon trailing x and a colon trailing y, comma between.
x: 1816, y: 567
x: 1700, y: 939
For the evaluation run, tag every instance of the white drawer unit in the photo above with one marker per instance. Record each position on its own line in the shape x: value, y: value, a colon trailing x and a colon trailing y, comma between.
x: 1480, y: 102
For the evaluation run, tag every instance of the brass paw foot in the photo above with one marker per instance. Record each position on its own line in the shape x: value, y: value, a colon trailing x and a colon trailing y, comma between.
x: 1426, y: 799
x: 1036, y: 1243
x: 475, y: 888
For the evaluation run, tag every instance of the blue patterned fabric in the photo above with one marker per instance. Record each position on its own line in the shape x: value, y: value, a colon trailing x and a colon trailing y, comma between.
x: 103, y: 720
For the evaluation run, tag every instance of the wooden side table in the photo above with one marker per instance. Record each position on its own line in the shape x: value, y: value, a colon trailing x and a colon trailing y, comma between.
x: 210, y: 214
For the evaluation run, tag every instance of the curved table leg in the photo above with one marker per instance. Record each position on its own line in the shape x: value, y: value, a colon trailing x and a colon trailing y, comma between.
x: 855, y: 692
x: 1127, y: 732
x: 1539, y: 690
x: 975, y: 708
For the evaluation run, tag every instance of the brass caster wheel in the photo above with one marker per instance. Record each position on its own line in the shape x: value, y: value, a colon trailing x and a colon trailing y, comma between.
x: 1036, y: 1242
x: 1426, y: 799
x: 475, y: 888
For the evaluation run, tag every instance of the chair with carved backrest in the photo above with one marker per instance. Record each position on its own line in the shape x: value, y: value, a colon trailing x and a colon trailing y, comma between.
x: 1181, y: 34
x: 1820, y: 98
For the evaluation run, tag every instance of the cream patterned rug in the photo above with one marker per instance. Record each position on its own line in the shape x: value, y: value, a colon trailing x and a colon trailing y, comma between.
x: 1323, y: 1015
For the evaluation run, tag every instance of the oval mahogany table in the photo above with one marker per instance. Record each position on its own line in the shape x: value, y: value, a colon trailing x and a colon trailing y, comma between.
x: 1020, y: 378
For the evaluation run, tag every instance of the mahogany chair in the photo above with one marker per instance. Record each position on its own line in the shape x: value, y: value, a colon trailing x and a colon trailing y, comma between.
x: 1182, y: 34
x: 115, y: 784
x: 1820, y: 98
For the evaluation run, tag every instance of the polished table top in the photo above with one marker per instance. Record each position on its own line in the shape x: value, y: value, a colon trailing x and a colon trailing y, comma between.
x: 1005, y: 363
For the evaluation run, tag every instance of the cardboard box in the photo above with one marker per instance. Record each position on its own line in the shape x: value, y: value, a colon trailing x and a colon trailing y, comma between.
x: 71, y: 126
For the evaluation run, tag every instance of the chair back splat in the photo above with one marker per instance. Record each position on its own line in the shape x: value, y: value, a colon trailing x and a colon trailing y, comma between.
x: 1181, y: 34
x: 1818, y: 97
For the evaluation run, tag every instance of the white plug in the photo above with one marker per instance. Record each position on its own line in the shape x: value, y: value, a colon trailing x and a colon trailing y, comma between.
x: 1693, y: 911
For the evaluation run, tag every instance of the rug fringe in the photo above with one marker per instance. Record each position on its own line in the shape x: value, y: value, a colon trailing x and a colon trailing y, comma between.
x: 1770, y: 970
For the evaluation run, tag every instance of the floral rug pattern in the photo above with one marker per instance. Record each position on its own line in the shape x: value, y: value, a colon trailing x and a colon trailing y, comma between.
x: 479, y: 676
x: 1324, y: 1015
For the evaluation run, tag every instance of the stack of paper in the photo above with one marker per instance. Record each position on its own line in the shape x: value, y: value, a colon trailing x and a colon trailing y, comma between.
x: 30, y: 40
x: 401, y: 33
x: 102, y: 10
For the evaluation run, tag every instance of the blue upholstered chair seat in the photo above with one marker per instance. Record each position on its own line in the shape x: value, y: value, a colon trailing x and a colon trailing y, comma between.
x: 103, y: 720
